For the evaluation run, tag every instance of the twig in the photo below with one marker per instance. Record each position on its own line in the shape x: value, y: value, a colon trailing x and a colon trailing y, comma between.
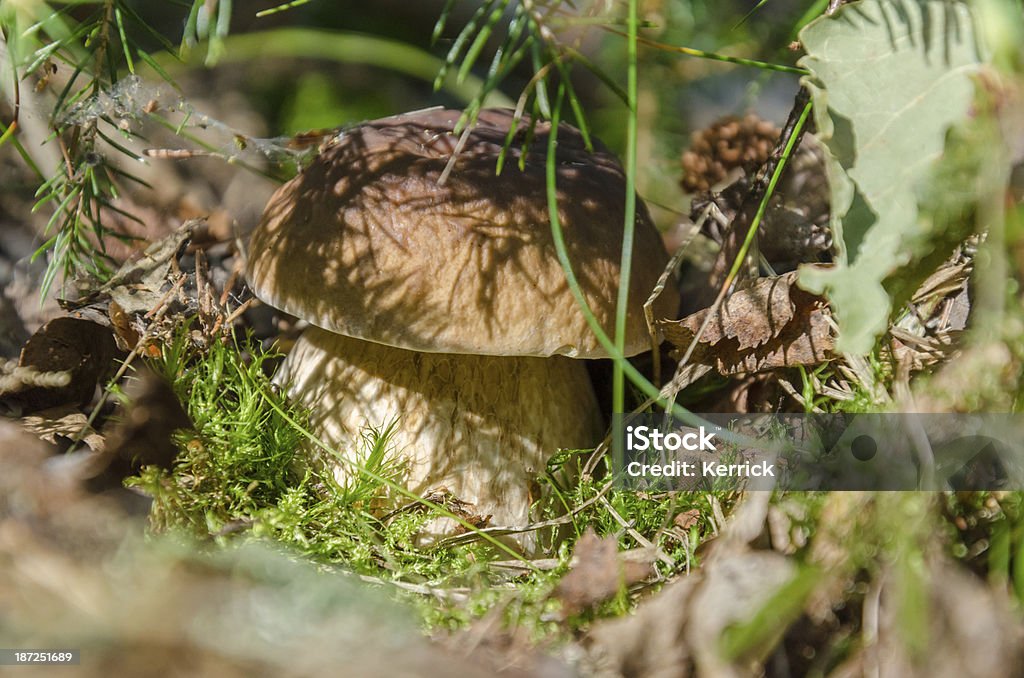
x: 542, y: 564
x: 242, y: 308
x: 870, y: 623
x: 659, y: 287
x: 457, y: 595
x: 499, y: 531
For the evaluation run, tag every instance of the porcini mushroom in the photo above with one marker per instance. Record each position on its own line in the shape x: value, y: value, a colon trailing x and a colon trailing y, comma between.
x: 443, y: 305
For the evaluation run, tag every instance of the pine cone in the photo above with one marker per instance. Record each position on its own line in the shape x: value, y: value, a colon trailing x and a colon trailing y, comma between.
x: 728, y: 144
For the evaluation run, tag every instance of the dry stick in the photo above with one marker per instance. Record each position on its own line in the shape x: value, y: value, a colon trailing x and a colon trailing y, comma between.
x: 798, y: 397
x: 181, y: 154
x: 639, y: 538
x: 457, y: 595
x: 239, y: 311
x: 599, y: 451
x: 151, y: 314
x: 542, y: 564
x: 659, y: 287
x: 502, y: 531
x: 201, y: 289
x: 230, y: 284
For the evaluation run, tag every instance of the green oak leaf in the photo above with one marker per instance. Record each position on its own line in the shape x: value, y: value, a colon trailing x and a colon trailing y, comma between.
x: 888, y: 79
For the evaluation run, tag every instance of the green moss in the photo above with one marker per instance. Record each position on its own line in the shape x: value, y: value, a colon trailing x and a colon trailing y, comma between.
x: 242, y: 475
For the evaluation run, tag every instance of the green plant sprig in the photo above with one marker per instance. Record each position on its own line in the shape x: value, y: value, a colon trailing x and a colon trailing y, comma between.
x: 528, y: 36
x: 81, y: 189
x: 629, y: 224
x: 99, y: 48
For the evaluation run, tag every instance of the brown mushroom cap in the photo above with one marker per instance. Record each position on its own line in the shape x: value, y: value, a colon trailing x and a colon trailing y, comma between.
x: 367, y: 243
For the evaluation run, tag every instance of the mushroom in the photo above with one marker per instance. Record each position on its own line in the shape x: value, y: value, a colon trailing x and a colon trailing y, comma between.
x: 442, y: 305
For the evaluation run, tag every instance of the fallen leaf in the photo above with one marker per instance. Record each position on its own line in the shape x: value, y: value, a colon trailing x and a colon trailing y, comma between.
x: 687, y: 519
x: 768, y: 325
x: 138, y: 286
x: 752, y: 316
x: 64, y: 427
x: 598, y: 572
x: 50, y: 425
x: 127, y: 337
x: 81, y: 348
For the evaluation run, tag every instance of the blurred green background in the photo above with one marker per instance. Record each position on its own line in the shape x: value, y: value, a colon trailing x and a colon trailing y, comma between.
x: 272, y: 65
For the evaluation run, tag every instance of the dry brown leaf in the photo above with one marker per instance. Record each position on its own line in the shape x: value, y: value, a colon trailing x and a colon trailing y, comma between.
x: 687, y: 519
x: 83, y: 349
x: 752, y: 316
x: 121, y: 322
x: 598, y: 573
x: 49, y: 425
x: 64, y: 426
x: 768, y: 325
x: 138, y: 286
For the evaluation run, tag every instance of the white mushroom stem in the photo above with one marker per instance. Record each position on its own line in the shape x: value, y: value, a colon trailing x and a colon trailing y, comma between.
x: 483, y: 427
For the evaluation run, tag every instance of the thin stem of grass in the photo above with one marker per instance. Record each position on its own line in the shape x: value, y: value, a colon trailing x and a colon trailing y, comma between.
x: 282, y: 8
x: 628, y: 227
x: 776, y: 175
x: 713, y: 56
x: 347, y: 47
x: 634, y: 375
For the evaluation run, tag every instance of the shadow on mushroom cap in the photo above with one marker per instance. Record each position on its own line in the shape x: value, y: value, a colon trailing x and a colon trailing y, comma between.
x: 365, y: 242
